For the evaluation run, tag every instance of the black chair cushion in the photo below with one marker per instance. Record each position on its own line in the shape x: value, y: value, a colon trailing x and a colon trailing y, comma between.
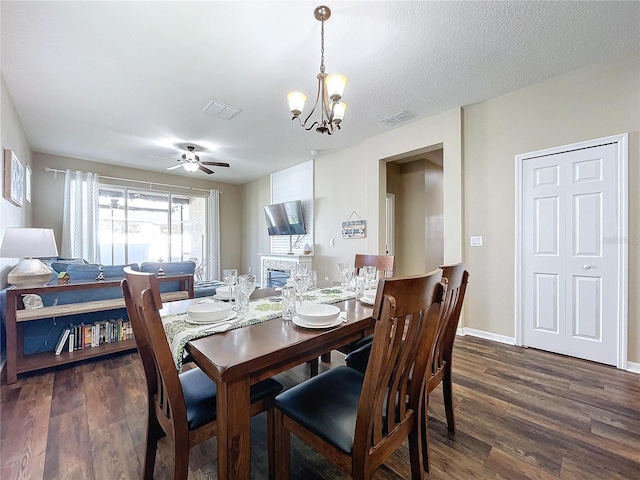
x: 200, y: 396
x: 326, y: 405
x: 359, y: 358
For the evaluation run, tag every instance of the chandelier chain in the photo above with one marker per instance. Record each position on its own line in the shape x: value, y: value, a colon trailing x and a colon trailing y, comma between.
x: 322, y: 46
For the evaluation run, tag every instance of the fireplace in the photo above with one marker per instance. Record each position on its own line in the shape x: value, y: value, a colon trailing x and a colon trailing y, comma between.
x: 277, y: 277
x: 275, y: 269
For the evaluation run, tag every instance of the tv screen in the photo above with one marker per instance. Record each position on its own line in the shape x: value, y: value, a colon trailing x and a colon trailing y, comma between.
x: 285, y: 218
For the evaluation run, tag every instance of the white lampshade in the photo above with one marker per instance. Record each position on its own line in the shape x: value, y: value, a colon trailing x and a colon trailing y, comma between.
x: 296, y: 102
x: 338, y: 111
x: 28, y: 242
x: 190, y: 166
x: 335, y: 85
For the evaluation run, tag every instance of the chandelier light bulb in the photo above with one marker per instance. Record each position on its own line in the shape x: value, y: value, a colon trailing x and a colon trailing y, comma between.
x: 338, y: 111
x: 335, y: 86
x: 296, y: 102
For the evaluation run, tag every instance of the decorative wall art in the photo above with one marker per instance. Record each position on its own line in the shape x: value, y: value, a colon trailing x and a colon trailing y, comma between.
x: 354, y: 227
x: 13, y: 178
x: 27, y: 183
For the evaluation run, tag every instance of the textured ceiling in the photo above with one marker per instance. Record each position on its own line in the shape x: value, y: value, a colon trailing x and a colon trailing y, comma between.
x: 116, y: 82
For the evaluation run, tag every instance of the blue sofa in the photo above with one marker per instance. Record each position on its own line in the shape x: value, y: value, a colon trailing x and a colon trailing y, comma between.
x: 42, y: 335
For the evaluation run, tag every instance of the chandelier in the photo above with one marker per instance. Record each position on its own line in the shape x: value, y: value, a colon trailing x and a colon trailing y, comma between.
x: 330, y: 90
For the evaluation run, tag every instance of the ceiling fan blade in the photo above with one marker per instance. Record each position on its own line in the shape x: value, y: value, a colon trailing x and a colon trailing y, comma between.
x: 174, y: 167
x: 216, y: 164
x: 205, y: 169
x: 163, y: 158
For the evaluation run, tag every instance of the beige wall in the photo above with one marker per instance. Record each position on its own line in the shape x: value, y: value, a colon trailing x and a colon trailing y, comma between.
x: 361, y: 186
x: 256, y: 195
x: 417, y: 186
x: 48, y: 191
x: 589, y: 103
x: 13, y: 138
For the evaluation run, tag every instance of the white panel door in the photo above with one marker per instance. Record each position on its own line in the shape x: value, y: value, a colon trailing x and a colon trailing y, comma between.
x: 570, y: 265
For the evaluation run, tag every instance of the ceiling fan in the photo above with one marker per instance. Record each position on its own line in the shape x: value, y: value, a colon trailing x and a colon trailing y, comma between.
x: 191, y: 162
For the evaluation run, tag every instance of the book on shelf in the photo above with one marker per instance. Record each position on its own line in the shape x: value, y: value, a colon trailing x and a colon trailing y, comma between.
x: 84, y: 336
x: 62, y: 340
x: 72, y: 331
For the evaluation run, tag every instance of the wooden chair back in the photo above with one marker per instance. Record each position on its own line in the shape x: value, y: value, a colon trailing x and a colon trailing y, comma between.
x: 385, y: 264
x: 407, y: 312
x: 142, y: 298
x: 455, y: 279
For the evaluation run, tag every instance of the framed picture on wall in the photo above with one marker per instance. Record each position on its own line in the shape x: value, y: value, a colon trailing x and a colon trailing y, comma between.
x: 27, y: 183
x: 13, y: 178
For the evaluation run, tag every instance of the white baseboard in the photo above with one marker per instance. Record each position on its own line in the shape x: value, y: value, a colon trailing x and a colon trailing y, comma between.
x: 633, y: 367
x: 487, y: 335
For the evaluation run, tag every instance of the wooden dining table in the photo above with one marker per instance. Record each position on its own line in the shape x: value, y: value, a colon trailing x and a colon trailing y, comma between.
x: 238, y: 358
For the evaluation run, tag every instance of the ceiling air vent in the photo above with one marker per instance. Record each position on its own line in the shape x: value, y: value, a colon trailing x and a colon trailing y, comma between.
x: 220, y: 110
x: 397, y: 118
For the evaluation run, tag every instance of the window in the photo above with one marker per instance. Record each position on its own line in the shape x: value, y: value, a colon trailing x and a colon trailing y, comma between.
x: 146, y: 225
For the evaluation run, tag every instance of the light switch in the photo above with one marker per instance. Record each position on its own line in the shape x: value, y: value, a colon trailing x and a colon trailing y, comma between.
x: 476, y: 240
x: 331, y: 242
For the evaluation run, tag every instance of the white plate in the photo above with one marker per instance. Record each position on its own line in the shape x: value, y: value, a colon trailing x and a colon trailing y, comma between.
x: 223, y: 293
x: 231, y: 316
x: 368, y: 300
x: 302, y: 323
x: 207, y: 312
x: 317, y: 312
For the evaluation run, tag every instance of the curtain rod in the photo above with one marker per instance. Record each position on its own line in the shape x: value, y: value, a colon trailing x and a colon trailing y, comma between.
x: 55, y: 170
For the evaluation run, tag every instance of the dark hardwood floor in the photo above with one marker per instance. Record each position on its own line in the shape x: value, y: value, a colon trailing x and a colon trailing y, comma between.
x: 520, y: 414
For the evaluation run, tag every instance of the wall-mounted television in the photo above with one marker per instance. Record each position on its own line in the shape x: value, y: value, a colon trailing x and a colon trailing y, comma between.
x: 285, y: 218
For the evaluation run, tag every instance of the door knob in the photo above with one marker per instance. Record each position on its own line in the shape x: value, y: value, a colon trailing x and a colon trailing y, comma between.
x: 586, y: 267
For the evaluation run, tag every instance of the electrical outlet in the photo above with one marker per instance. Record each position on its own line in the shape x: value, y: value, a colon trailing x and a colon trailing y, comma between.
x: 326, y: 279
x: 476, y: 240
x: 249, y: 269
x: 331, y: 242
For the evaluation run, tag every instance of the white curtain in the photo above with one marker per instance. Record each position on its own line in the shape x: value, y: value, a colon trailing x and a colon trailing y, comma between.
x: 80, y: 216
x: 213, y: 245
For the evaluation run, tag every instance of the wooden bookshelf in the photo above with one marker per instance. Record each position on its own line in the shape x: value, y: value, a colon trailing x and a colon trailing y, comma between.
x: 16, y: 315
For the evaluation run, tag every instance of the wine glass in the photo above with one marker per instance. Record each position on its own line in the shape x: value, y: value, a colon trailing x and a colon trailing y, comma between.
x: 246, y: 285
x: 370, y: 273
x: 313, y: 279
x: 348, y: 277
x: 230, y: 278
x: 301, y: 283
x: 344, y: 268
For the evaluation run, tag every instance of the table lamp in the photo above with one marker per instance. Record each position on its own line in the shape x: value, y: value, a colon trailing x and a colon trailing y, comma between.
x: 31, y: 243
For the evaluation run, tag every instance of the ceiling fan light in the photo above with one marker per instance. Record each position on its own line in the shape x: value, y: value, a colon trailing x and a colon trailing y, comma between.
x: 338, y: 111
x: 190, y: 167
x: 335, y: 85
x: 296, y: 102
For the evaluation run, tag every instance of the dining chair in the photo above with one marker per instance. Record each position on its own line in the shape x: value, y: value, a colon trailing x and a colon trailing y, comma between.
x: 385, y: 264
x: 357, y: 420
x: 455, y: 278
x: 180, y: 405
